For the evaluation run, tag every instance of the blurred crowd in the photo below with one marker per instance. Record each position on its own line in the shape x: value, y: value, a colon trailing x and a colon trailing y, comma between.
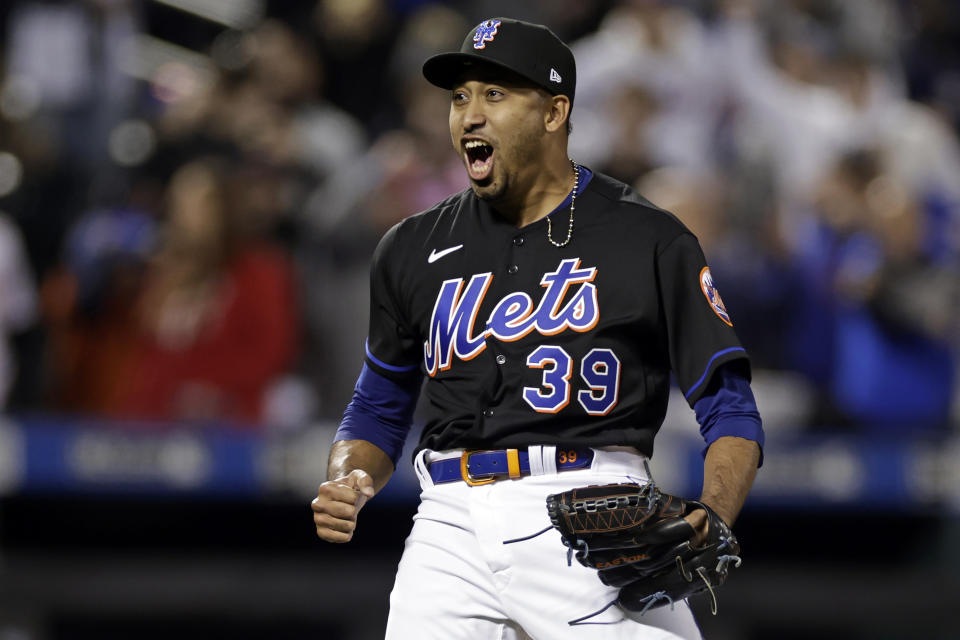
x: 190, y: 191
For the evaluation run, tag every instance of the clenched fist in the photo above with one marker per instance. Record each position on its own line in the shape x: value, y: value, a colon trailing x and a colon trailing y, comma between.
x: 337, y: 504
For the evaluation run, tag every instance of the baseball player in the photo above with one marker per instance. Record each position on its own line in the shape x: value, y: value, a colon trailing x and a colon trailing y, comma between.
x: 545, y: 308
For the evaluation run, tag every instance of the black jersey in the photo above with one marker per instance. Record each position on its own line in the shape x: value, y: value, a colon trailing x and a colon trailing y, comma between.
x: 522, y: 342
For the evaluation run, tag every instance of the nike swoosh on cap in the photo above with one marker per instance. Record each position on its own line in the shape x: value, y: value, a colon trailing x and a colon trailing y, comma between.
x: 436, y: 255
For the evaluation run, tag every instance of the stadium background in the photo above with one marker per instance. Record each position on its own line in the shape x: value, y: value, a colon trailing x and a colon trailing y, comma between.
x: 190, y: 191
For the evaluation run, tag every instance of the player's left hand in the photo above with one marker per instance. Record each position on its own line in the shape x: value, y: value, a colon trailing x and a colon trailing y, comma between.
x: 701, y: 524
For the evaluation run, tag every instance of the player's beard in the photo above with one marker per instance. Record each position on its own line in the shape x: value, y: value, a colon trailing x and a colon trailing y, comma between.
x: 524, y: 151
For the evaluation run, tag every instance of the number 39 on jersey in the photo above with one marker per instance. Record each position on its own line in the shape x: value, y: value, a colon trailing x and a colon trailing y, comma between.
x: 599, y: 375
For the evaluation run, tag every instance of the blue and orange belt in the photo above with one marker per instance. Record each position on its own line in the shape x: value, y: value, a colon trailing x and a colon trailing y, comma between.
x: 483, y: 467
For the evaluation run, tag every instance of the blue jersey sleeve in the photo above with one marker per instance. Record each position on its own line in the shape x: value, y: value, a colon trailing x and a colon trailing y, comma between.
x: 727, y: 408
x: 381, y: 411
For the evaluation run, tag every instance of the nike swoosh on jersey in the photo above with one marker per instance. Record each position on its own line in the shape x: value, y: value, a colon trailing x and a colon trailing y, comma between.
x: 436, y: 255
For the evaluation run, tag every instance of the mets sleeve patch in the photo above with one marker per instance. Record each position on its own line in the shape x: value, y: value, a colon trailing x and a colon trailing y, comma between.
x: 713, y: 296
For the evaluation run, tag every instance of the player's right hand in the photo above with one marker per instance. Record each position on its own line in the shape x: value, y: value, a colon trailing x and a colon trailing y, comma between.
x: 337, y: 504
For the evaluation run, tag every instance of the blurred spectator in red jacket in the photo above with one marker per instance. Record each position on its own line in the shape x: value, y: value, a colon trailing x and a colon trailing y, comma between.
x: 89, y: 304
x: 219, y: 316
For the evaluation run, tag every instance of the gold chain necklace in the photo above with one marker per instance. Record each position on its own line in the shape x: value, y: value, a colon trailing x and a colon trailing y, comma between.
x: 573, y: 203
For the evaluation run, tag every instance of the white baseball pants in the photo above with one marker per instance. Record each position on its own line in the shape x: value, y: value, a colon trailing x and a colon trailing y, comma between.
x: 458, y: 581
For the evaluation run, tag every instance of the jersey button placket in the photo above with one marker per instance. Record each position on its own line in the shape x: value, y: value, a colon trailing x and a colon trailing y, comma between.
x: 517, y: 242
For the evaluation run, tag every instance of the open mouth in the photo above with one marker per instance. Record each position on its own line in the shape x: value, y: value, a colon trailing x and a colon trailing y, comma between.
x: 479, y: 159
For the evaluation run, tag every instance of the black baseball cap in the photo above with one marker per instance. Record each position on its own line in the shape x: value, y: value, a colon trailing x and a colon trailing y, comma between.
x: 527, y: 49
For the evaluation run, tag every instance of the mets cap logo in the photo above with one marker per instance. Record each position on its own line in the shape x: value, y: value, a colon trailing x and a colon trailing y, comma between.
x: 485, y: 33
x: 713, y: 296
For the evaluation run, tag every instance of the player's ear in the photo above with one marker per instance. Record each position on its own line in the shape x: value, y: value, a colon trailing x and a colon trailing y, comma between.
x: 556, y: 113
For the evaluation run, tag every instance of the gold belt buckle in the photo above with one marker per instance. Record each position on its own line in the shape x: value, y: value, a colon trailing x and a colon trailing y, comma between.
x: 465, y: 470
x: 512, y: 471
